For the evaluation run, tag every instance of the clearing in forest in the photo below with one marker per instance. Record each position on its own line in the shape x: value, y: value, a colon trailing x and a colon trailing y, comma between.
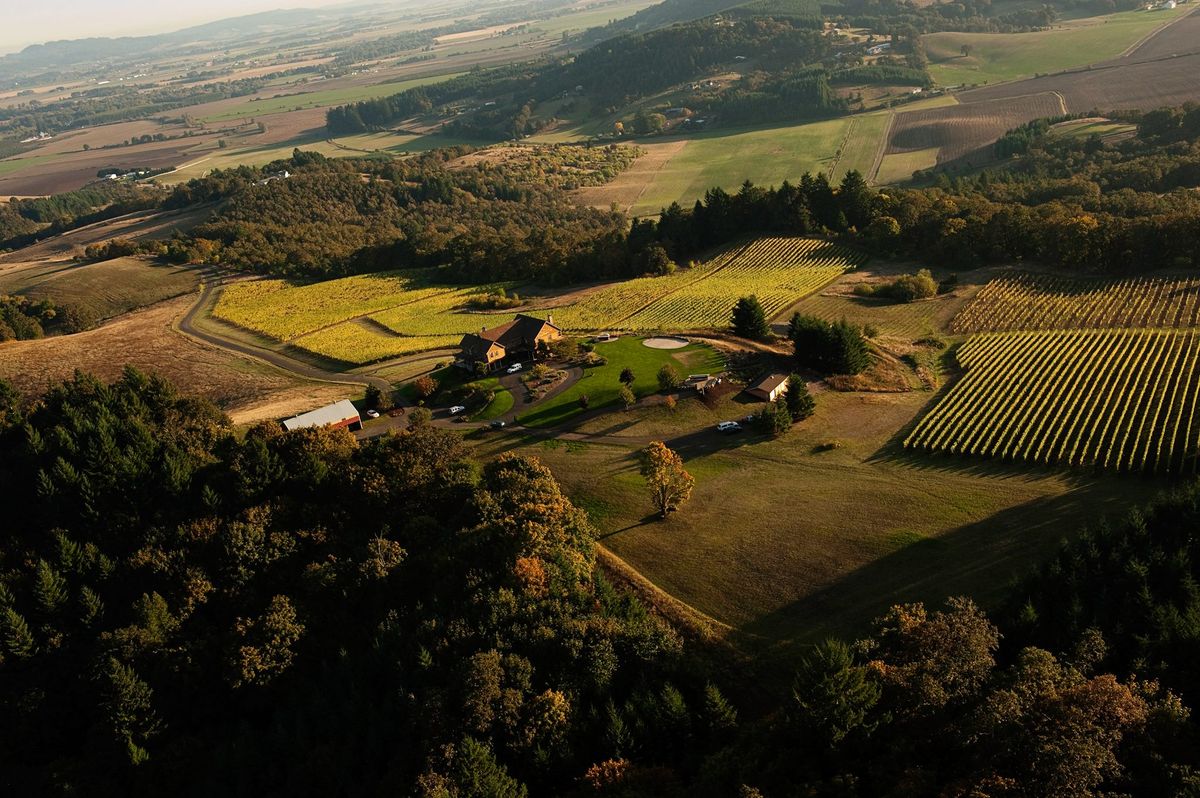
x: 1122, y: 400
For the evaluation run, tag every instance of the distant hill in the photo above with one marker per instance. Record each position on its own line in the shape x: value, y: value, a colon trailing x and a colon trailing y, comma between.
x: 671, y: 12
x: 64, y: 54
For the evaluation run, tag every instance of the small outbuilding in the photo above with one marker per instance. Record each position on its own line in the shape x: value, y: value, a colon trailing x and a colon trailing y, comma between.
x: 769, y: 388
x: 338, y: 414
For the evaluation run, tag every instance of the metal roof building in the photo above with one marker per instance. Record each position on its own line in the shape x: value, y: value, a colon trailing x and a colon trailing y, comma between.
x: 338, y: 414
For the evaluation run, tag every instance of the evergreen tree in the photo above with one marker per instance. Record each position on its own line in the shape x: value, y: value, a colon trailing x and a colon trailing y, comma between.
x: 18, y: 640
x: 848, y: 349
x: 832, y: 696
x: 477, y: 774
x: 799, y: 401
x: 627, y: 376
x: 49, y: 588
x: 749, y: 320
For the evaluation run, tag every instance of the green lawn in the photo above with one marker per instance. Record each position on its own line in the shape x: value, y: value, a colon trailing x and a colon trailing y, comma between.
x: 765, y: 156
x: 502, y: 402
x: 996, y: 57
x: 602, y: 384
x: 292, y: 101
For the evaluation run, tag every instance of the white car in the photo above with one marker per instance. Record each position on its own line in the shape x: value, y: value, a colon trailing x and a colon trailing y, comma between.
x: 514, y: 368
x: 729, y: 426
x: 372, y: 414
x: 454, y: 411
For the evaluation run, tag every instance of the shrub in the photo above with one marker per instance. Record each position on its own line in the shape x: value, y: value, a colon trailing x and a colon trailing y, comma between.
x: 594, y: 359
x: 584, y: 401
x: 668, y: 378
x: 628, y: 399
x: 425, y: 386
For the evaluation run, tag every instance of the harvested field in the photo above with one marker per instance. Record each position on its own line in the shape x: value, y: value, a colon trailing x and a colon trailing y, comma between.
x: 966, y: 131
x: 102, y: 290
x: 142, y: 225
x: 628, y: 187
x: 1157, y: 71
x: 245, y: 388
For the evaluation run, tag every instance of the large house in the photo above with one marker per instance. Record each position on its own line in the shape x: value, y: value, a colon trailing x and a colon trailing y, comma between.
x: 523, y: 337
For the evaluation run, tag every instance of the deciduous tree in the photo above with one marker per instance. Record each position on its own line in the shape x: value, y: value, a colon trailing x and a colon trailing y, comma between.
x: 669, y: 483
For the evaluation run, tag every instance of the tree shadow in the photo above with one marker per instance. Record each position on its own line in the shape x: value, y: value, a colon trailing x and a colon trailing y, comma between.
x: 983, y: 560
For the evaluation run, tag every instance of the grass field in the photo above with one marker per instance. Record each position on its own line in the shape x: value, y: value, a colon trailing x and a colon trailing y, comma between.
x: 996, y: 57
x: 102, y: 290
x: 371, y: 317
x: 601, y: 384
x: 1115, y: 399
x: 765, y: 156
x: 790, y: 545
x: 1027, y: 301
x: 863, y: 140
x: 323, y: 98
x: 897, y: 167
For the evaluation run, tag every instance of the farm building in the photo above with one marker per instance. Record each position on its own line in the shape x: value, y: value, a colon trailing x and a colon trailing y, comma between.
x: 523, y: 337
x: 769, y: 388
x: 338, y: 414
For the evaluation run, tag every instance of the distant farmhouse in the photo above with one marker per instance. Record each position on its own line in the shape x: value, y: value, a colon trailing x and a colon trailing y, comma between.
x: 339, y: 414
x: 523, y: 337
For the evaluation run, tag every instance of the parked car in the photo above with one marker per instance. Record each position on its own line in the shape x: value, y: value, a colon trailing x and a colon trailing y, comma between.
x: 729, y: 426
x: 454, y: 411
x: 497, y: 424
x: 514, y: 368
x: 372, y: 414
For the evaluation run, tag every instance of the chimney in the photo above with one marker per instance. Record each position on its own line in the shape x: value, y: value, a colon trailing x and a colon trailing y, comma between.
x: 550, y: 318
x: 482, y: 330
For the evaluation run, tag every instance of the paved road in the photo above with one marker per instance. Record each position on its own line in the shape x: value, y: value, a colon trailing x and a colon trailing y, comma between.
x: 187, y: 325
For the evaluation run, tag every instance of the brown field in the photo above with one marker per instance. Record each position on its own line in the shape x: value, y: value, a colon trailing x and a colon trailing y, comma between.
x: 966, y: 131
x: 1160, y: 70
x: 245, y: 388
x: 141, y: 225
x: 629, y: 186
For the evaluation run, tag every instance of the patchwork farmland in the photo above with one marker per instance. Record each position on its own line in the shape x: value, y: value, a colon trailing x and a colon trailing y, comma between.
x: 367, y: 318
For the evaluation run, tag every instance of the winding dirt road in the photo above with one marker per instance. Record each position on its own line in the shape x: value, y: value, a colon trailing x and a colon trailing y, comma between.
x: 188, y: 327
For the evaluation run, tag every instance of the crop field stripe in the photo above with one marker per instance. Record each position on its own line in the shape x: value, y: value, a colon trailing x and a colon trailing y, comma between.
x: 1132, y: 406
x: 1123, y: 400
x: 1182, y: 377
x: 938, y: 429
x: 1027, y: 301
x: 1102, y: 389
x: 1036, y: 428
x: 963, y: 392
x: 1048, y: 372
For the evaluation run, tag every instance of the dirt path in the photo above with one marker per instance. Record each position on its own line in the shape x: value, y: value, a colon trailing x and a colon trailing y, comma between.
x: 881, y: 150
x: 188, y: 327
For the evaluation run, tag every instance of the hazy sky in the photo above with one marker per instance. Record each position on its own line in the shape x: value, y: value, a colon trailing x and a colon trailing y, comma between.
x: 31, y: 21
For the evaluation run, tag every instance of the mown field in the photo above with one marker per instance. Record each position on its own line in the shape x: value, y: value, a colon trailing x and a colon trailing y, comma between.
x: 764, y: 156
x: 372, y: 317
x: 995, y: 57
x: 1114, y: 399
